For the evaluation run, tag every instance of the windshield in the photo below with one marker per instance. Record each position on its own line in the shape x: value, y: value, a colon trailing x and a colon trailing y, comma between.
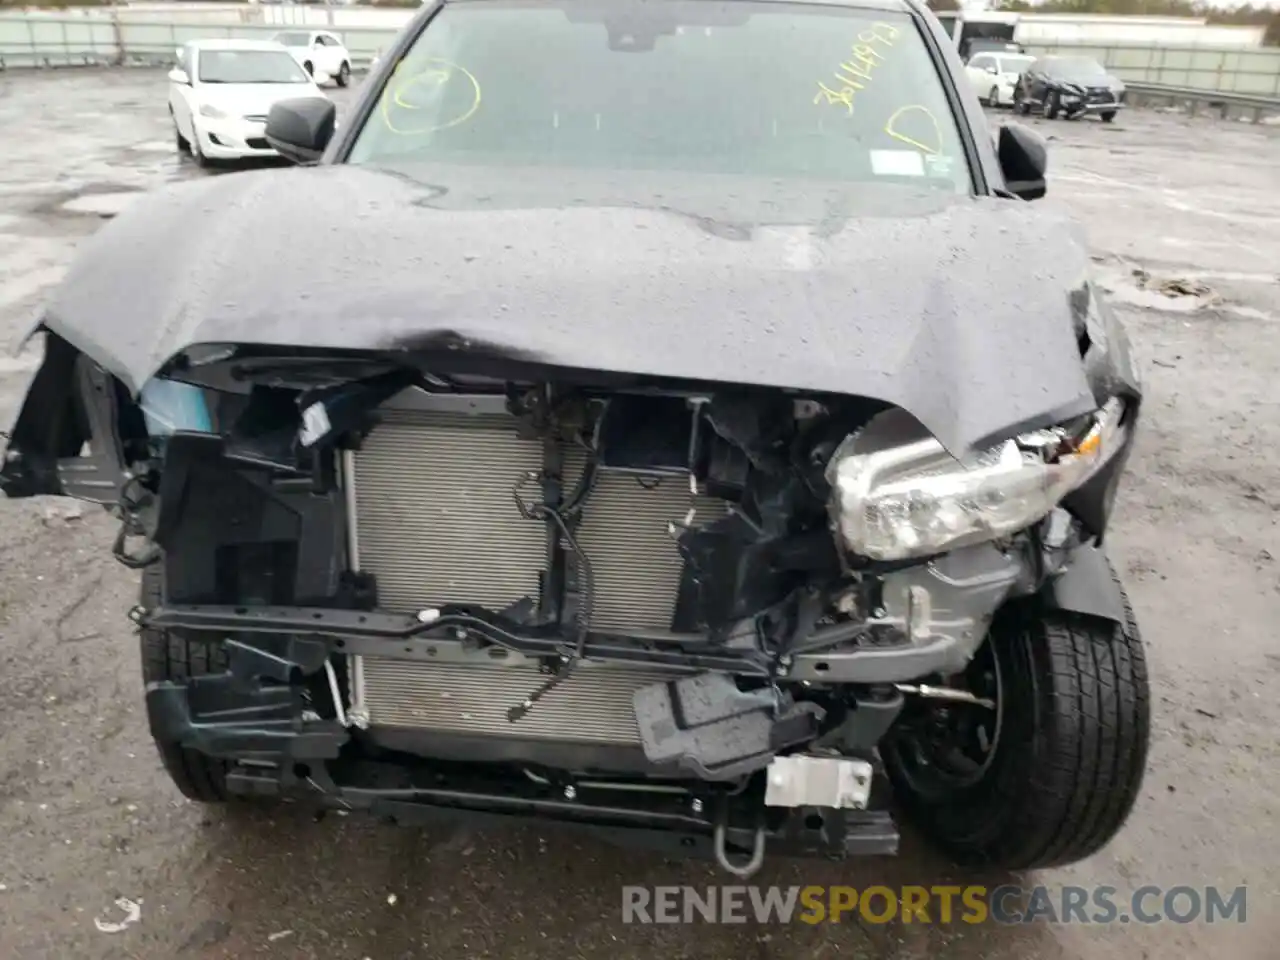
x: 750, y: 89
x: 1015, y: 64
x: 1077, y: 68
x: 292, y: 39
x: 249, y: 66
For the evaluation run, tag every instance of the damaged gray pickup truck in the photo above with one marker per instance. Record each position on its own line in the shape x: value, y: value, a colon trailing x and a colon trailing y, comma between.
x: 637, y: 416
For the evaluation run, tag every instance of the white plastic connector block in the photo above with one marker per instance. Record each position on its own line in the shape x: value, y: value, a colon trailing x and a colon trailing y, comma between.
x: 803, y: 781
x: 315, y: 424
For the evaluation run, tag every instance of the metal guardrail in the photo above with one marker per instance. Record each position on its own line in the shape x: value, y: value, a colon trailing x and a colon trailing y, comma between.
x: 1256, y: 106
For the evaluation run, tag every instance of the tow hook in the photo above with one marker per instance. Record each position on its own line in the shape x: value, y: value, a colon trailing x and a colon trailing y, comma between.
x: 743, y: 870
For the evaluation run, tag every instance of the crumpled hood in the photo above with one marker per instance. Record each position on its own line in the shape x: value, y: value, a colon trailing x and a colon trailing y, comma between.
x: 959, y: 310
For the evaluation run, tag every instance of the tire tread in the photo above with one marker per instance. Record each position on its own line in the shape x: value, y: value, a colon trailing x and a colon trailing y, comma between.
x: 1095, y: 742
x: 1077, y: 753
x: 166, y: 656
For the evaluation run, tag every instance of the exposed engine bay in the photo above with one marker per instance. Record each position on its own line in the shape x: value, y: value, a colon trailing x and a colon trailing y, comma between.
x: 665, y: 525
x: 642, y: 588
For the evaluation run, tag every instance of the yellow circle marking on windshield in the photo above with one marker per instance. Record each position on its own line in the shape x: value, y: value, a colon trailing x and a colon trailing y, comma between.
x: 891, y: 130
x: 436, y: 77
x: 435, y: 74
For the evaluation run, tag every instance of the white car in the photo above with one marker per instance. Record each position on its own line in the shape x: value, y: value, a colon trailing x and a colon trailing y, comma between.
x: 321, y: 53
x: 994, y: 75
x: 222, y: 90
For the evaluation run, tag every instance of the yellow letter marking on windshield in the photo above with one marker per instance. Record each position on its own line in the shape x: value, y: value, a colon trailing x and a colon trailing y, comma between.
x: 890, y: 128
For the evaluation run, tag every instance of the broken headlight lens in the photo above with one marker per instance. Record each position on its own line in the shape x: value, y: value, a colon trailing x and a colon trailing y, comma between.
x: 915, y: 499
x: 169, y: 406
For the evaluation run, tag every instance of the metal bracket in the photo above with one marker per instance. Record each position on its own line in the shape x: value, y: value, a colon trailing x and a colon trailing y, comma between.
x: 805, y: 781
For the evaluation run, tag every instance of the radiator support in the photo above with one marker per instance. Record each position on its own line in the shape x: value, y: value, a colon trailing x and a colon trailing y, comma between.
x: 433, y: 517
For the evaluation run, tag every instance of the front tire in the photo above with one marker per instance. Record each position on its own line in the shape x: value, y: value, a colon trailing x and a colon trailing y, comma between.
x: 344, y: 74
x: 196, y: 153
x: 168, y: 657
x: 993, y: 97
x: 1108, y: 116
x: 1072, y: 725
x: 1052, y: 104
x: 310, y: 68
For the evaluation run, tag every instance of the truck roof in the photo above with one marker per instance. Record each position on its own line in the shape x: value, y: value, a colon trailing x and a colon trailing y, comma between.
x: 902, y: 6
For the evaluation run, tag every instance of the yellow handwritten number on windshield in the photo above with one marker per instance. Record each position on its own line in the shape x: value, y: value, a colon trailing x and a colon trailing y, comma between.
x: 429, y: 80
x: 856, y: 73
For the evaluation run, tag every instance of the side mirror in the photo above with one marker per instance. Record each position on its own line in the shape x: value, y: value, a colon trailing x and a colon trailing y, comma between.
x: 301, y: 128
x: 178, y: 75
x: 1024, y: 158
x: 989, y: 69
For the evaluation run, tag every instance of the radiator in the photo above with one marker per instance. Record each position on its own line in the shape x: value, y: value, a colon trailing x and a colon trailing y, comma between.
x: 625, y: 534
x: 593, y: 705
x: 436, y: 522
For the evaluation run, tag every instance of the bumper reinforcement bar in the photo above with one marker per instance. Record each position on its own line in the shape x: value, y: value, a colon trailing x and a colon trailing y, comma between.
x: 370, y: 633
x: 662, y: 821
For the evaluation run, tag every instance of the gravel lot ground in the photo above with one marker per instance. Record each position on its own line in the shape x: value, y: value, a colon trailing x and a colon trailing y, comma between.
x: 88, y: 817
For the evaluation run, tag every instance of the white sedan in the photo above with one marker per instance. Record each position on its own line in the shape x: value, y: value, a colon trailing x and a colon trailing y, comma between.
x: 222, y: 90
x: 320, y: 52
x: 995, y: 75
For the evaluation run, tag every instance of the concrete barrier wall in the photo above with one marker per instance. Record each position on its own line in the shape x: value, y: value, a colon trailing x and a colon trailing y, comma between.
x: 138, y: 34
x: 73, y: 39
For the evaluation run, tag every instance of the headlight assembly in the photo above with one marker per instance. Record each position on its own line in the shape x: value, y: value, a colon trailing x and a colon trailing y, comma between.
x: 212, y: 112
x: 915, y: 499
